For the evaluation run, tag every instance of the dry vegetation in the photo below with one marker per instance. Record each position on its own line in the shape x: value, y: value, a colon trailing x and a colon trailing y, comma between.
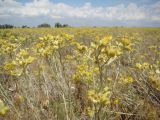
x: 80, y: 74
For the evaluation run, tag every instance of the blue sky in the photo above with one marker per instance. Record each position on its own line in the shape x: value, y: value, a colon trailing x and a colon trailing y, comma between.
x: 81, y: 12
x: 98, y: 2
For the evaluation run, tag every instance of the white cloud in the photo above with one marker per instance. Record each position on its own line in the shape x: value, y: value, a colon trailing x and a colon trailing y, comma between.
x: 154, y: 12
x: 87, y: 11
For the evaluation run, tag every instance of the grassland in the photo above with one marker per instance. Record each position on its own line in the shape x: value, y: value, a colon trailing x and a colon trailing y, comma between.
x: 80, y: 74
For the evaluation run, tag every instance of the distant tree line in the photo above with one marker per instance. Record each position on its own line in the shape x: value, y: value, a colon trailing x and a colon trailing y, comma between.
x: 43, y: 25
x: 8, y: 26
x: 25, y: 26
x: 57, y: 25
x: 5, y: 26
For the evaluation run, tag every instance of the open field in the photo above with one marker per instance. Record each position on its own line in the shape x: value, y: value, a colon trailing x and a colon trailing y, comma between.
x: 80, y: 73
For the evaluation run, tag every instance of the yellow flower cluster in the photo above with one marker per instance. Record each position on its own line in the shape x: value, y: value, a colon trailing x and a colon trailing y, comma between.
x: 91, y: 111
x: 99, y: 97
x: 84, y: 73
x: 154, y: 77
x: 47, y: 45
x: 126, y: 42
x: 106, y: 40
x: 113, y: 51
x: 126, y: 79
x: 105, y: 49
x: 142, y: 66
x: 3, y: 108
x: 7, y: 47
x: 22, y: 60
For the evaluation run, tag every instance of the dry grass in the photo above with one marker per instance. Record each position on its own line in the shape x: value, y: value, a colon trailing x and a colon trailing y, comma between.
x: 80, y: 74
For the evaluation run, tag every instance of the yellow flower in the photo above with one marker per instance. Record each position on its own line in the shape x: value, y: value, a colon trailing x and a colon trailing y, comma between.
x: 23, y: 53
x: 90, y: 112
x: 9, y: 66
x: 128, y: 80
x: 29, y: 60
x: 101, y: 97
x: 41, y: 38
x: 145, y: 65
x: 104, y: 96
x: 116, y: 101
x: 91, y: 92
x: 93, y: 96
x: 81, y: 48
x: 138, y: 66
x: 3, y: 108
x: 126, y: 41
x: 113, y: 51
x: 106, y: 40
x: 157, y: 71
x: 39, y: 45
x: 93, y: 45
